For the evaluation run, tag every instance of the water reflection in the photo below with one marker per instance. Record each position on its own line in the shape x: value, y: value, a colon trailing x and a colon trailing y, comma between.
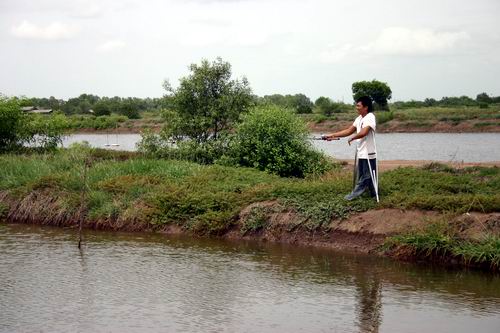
x: 148, y: 282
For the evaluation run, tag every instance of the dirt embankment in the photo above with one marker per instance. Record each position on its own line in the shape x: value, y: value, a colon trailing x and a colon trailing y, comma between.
x: 395, y: 126
x: 364, y: 232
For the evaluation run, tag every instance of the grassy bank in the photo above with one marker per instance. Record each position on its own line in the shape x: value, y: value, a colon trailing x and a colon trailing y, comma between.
x: 130, y: 192
x: 432, y: 119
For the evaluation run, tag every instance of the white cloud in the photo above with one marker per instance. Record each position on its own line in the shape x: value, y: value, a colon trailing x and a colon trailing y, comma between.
x: 398, y: 41
x: 403, y: 41
x: 53, y: 31
x: 111, y: 45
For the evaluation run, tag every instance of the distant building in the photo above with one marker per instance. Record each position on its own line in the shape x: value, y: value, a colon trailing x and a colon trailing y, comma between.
x: 34, y: 109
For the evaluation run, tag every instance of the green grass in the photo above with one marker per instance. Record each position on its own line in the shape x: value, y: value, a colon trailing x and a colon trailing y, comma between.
x: 440, y: 240
x: 446, y: 114
x: 208, y: 199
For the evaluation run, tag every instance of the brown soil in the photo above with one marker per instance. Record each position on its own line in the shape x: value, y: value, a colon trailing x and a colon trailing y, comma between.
x: 363, y: 232
x: 394, y: 164
x: 396, y: 126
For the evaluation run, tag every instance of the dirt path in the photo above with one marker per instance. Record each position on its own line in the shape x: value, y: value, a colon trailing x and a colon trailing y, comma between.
x: 394, y: 164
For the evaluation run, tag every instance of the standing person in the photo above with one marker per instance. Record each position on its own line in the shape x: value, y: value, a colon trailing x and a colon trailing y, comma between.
x: 364, y: 126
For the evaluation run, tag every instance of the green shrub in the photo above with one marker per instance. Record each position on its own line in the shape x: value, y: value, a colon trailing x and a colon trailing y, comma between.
x: 384, y: 117
x: 12, y: 121
x: 276, y: 140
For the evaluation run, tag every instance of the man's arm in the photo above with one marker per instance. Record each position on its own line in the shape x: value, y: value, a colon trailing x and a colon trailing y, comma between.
x: 364, y: 132
x: 340, y: 134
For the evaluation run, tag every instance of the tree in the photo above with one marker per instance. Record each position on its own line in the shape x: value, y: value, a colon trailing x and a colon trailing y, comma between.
x: 18, y: 128
x: 326, y: 106
x: 378, y: 91
x: 102, y: 108
x: 302, y: 103
x: 11, y: 122
x: 483, y: 98
x: 207, y: 102
x: 129, y: 108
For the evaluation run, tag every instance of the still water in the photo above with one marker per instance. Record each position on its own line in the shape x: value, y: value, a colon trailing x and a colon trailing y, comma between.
x: 152, y: 283
x: 446, y: 147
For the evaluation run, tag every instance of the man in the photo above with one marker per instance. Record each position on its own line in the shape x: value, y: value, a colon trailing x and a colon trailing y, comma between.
x: 364, y: 126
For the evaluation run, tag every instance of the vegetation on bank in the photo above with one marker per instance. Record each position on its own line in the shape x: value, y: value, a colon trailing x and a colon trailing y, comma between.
x: 411, y: 118
x: 129, y: 186
x: 132, y: 192
x: 443, y: 241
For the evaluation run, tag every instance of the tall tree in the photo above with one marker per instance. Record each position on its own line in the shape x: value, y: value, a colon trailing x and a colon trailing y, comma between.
x: 380, y: 92
x: 207, y: 102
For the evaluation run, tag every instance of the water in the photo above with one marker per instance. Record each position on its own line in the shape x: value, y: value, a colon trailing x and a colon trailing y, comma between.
x: 153, y: 283
x: 446, y: 147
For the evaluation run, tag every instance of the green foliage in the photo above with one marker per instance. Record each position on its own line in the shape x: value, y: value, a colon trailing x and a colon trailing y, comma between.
x: 18, y: 128
x: 378, y: 91
x: 207, y: 102
x: 95, y: 122
x: 275, y: 140
x: 4, y: 210
x: 207, y: 199
x: 439, y: 187
x: 384, y: 117
x: 300, y: 103
x: 442, y: 240
x: 256, y: 220
x: 325, y: 106
x: 12, y: 123
x: 46, y: 131
x: 102, y: 108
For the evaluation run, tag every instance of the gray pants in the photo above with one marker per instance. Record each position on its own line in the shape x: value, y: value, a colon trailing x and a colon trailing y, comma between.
x: 364, y: 178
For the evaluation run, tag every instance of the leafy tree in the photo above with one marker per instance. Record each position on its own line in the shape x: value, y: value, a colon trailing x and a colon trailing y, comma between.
x: 129, y: 108
x: 18, y: 128
x: 484, y: 98
x: 207, y: 102
x: 102, y: 108
x: 301, y: 103
x: 12, y: 121
x: 378, y: 91
x: 327, y: 107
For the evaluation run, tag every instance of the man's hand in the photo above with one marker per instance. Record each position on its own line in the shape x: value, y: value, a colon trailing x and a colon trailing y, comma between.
x: 329, y: 137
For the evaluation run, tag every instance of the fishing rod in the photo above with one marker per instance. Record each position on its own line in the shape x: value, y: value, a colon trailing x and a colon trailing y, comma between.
x: 324, y: 138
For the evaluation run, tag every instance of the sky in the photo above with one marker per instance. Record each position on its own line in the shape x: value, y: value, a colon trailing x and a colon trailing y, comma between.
x: 424, y: 48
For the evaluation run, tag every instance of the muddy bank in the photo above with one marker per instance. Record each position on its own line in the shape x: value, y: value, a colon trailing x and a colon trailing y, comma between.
x: 396, y: 126
x: 269, y: 221
x: 385, y: 165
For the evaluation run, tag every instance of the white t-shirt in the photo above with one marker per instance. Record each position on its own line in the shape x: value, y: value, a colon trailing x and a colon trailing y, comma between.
x: 366, y: 145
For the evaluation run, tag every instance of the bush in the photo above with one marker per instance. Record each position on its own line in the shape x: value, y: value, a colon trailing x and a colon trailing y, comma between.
x: 384, y: 117
x: 11, y: 123
x: 274, y: 139
x: 18, y: 128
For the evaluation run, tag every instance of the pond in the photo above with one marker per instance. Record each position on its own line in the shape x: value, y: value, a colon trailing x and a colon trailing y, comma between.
x: 444, y: 147
x: 150, y: 282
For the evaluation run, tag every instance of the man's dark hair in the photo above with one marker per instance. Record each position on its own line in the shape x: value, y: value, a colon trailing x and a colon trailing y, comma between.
x: 366, y: 101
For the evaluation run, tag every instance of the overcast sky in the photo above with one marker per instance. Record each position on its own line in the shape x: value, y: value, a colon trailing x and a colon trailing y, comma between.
x: 424, y: 48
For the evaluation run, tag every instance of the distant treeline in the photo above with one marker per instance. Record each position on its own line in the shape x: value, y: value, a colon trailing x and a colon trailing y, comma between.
x: 482, y: 100
x: 99, y: 106
x: 299, y: 103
